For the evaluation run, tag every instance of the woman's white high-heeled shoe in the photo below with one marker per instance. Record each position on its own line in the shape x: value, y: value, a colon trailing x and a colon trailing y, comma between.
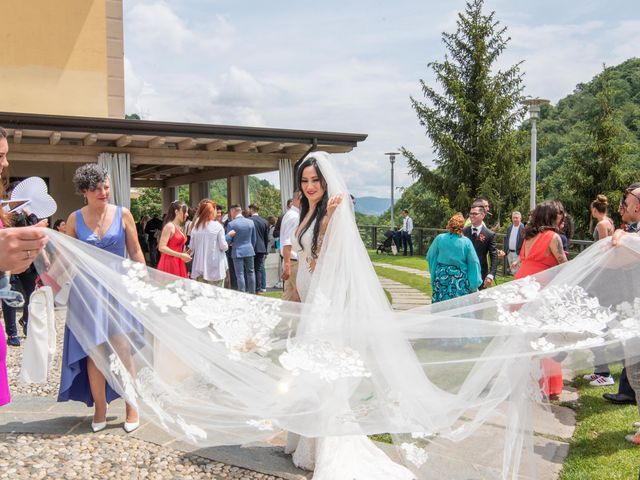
x: 97, y: 426
x: 131, y: 426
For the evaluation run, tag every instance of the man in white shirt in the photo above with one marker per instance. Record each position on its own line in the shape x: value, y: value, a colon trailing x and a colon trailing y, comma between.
x: 407, y: 228
x: 288, y: 227
x: 513, y: 240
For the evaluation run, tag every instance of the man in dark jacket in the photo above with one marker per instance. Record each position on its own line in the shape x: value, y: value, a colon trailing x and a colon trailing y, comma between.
x: 262, y: 243
x: 484, y: 242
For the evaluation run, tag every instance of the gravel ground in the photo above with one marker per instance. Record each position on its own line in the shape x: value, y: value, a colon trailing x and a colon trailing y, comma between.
x: 105, y: 456
x: 102, y: 455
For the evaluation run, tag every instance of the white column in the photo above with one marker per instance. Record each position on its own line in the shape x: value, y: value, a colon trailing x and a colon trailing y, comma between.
x: 238, y: 191
x: 169, y: 195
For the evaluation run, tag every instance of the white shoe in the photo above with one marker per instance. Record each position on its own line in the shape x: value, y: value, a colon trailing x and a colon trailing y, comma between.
x: 131, y: 426
x: 97, y: 426
x: 590, y: 376
x: 601, y: 381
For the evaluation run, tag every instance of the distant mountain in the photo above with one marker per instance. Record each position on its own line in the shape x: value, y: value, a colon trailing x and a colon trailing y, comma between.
x: 372, y: 205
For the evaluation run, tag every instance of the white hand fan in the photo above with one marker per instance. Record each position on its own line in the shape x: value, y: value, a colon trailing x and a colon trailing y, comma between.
x: 33, y: 191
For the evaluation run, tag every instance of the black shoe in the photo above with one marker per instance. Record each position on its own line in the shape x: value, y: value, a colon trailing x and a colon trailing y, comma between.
x: 619, y: 398
x: 13, y: 341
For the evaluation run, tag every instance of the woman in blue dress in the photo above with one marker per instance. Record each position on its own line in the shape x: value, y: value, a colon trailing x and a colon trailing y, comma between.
x: 111, y: 228
x: 453, y: 263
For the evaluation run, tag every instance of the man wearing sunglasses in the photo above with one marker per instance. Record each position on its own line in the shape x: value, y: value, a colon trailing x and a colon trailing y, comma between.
x: 631, y: 204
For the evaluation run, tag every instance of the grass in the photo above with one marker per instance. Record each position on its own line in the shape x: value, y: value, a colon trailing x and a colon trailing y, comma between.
x: 417, y: 262
x: 273, y: 294
x: 598, y: 449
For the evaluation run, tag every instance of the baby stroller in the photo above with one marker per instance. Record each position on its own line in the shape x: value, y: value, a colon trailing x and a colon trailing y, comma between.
x: 385, y: 246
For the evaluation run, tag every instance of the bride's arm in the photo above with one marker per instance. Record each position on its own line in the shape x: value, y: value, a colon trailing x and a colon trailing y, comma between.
x: 331, y: 207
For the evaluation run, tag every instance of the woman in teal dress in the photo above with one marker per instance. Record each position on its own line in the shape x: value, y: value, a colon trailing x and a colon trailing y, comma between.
x: 453, y: 263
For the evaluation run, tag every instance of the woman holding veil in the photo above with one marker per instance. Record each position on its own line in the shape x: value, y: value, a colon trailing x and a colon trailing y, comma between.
x: 110, y: 228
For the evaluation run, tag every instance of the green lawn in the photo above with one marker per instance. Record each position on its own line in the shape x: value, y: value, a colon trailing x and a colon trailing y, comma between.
x: 413, y: 281
x: 413, y: 262
x: 598, y: 449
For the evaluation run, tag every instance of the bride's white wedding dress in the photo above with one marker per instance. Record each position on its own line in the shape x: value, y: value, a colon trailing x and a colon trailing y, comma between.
x: 218, y: 367
x: 346, y: 457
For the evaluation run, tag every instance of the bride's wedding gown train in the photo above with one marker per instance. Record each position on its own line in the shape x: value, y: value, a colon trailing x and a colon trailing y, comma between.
x: 346, y: 457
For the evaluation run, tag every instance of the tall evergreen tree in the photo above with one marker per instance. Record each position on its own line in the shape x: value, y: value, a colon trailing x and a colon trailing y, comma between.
x: 471, y: 121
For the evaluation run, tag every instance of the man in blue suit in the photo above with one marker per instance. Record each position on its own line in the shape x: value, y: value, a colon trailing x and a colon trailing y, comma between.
x: 243, y: 251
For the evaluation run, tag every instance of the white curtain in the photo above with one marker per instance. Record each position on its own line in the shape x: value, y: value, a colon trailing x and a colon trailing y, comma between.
x: 286, y: 182
x: 118, y: 166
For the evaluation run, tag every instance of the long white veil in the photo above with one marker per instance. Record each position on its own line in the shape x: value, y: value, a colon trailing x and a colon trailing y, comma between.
x: 218, y: 367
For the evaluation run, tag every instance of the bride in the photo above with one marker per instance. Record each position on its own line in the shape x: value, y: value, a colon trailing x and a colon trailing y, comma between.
x: 344, y: 457
x: 218, y: 367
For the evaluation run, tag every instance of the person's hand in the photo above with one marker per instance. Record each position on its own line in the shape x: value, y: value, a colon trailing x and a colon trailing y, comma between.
x: 20, y: 246
x: 286, y: 272
x: 617, y: 237
x: 232, y: 233
x: 501, y: 253
x: 186, y: 257
x: 487, y: 282
x: 333, y: 204
x: 513, y: 265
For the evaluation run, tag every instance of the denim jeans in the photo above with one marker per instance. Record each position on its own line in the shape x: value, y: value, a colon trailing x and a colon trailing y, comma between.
x: 245, y: 274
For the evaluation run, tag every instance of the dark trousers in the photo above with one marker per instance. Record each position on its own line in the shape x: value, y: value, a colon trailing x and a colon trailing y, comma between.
x: 233, y: 283
x: 406, y: 239
x: 26, y: 283
x: 624, y: 387
x: 258, y: 267
x: 154, y: 255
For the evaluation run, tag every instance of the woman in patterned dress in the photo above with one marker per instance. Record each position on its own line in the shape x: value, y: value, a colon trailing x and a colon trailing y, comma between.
x: 453, y: 263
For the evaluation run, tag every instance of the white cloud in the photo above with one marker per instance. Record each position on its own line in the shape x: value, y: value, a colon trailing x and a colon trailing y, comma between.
x: 156, y: 27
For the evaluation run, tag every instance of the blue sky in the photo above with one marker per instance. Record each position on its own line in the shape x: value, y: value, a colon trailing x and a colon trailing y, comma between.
x: 347, y: 66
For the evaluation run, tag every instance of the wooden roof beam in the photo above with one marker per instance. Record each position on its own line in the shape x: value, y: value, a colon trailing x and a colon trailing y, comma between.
x: 243, y: 147
x: 90, y: 139
x: 216, y: 145
x: 54, y: 138
x: 186, y: 144
x: 156, y: 142
x: 124, y: 140
x: 270, y: 147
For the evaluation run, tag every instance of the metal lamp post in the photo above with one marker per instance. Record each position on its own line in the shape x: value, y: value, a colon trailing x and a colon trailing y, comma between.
x: 392, y: 159
x: 534, y: 114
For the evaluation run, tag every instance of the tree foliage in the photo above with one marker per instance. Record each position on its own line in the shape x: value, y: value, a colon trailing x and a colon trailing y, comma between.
x: 471, y: 120
x: 589, y: 143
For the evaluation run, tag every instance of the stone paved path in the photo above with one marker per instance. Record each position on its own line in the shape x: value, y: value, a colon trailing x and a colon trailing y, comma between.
x: 404, y: 297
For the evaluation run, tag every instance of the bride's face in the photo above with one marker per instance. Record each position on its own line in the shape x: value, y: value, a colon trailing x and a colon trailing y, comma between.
x: 311, y: 185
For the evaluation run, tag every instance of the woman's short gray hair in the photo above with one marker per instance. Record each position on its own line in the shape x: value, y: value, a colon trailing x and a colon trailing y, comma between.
x: 87, y: 177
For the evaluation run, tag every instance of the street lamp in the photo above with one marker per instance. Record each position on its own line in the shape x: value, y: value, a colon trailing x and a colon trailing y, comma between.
x: 534, y: 114
x: 392, y: 159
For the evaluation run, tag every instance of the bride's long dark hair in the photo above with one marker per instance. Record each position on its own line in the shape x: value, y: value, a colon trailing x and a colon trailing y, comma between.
x: 321, y: 207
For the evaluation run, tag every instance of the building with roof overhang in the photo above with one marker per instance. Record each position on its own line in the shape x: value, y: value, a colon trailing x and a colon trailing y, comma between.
x: 62, y: 102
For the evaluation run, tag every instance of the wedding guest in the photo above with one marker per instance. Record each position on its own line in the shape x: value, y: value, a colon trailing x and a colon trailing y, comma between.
x: 219, y: 214
x: 110, y: 228
x: 208, y: 246
x: 172, y: 240
x: 143, y: 238
x: 261, y: 247
x: 542, y: 249
x: 153, y: 229
x: 514, y: 238
x: 271, y: 220
x: 453, y: 263
x: 290, y: 222
x: 484, y: 242
x: 407, y: 228
x: 19, y: 246
x: 566, y: 232
x: 243, y: 249
x: 60, y: 226
x: 604, y: 228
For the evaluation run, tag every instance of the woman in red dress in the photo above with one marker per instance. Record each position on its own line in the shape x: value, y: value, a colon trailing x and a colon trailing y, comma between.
x: 542, y: 249
x: 172, y: 257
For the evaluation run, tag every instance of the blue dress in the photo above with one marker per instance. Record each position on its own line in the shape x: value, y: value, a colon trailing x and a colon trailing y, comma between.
x: 454, y: 267
x: 98, y: 321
